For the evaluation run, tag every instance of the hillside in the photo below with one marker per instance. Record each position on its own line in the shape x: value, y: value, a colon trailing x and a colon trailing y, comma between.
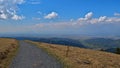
x: 8, y: 48
x: 101, y: 43
x: 62, y: 41
x: 81, y: 58
x: 106, y: 44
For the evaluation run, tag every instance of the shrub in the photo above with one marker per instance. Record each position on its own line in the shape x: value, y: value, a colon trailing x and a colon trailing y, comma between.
x: 117, y: 50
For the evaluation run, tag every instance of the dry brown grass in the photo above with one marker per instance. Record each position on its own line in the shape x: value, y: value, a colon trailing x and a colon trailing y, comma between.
x: 82, y: 58
x: 8, y: 48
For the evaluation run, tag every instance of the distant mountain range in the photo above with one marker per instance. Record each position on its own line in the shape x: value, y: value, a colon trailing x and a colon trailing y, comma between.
x: 107, y: 44
x: 62, y: 41
x: 103, y: 43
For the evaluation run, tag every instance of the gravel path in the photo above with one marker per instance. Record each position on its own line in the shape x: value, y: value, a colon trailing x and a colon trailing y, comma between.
x: 29, y: 56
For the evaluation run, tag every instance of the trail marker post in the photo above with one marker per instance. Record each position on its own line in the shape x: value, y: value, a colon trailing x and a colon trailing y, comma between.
x: 67, y: 51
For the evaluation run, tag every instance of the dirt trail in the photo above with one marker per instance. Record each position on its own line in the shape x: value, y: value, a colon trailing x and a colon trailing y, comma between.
x: 29, y: 56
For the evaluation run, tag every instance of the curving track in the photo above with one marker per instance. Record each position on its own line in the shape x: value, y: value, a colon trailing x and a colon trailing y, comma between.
x: 29, y: 56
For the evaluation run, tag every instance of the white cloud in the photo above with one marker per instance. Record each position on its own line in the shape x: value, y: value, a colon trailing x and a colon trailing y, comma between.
x: 18, y: 1
x: 112, y: 20
x: 3, y: 16
x: 102, y: 19
x: 51, y: 15
x: 116, y: 14
x: 87, y: 19
x: 88, y: 15
x: 8, y: 9
x: 56, y: 25
x: 16, y: 17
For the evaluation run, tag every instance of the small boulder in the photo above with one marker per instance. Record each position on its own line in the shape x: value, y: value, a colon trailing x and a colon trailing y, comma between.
x: 86, y: 62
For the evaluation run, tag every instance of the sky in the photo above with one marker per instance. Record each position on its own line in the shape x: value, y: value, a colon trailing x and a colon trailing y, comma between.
x: 60, y: 17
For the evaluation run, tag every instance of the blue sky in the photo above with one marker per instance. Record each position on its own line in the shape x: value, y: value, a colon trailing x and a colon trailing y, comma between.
x: 83, y: 17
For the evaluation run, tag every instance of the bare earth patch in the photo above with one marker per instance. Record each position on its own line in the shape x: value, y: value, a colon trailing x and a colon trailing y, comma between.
x: 8, y: 48
x: 81, y: 58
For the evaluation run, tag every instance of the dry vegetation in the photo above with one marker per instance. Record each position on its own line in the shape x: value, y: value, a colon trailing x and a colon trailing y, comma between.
x: 81, y: 58
x: 8, y: 48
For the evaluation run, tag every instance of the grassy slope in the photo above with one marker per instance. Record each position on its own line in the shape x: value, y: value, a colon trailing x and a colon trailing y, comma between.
x: 81, y: 58
x: 8, y: 48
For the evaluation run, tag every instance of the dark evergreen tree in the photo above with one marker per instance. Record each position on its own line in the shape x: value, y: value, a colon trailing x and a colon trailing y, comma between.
x: 117, y: 50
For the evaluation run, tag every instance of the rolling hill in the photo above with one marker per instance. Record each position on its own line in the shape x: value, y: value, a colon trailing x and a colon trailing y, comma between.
x: 107, y: 44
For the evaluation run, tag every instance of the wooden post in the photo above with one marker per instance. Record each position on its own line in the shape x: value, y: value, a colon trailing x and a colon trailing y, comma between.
x: 67, y: 51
